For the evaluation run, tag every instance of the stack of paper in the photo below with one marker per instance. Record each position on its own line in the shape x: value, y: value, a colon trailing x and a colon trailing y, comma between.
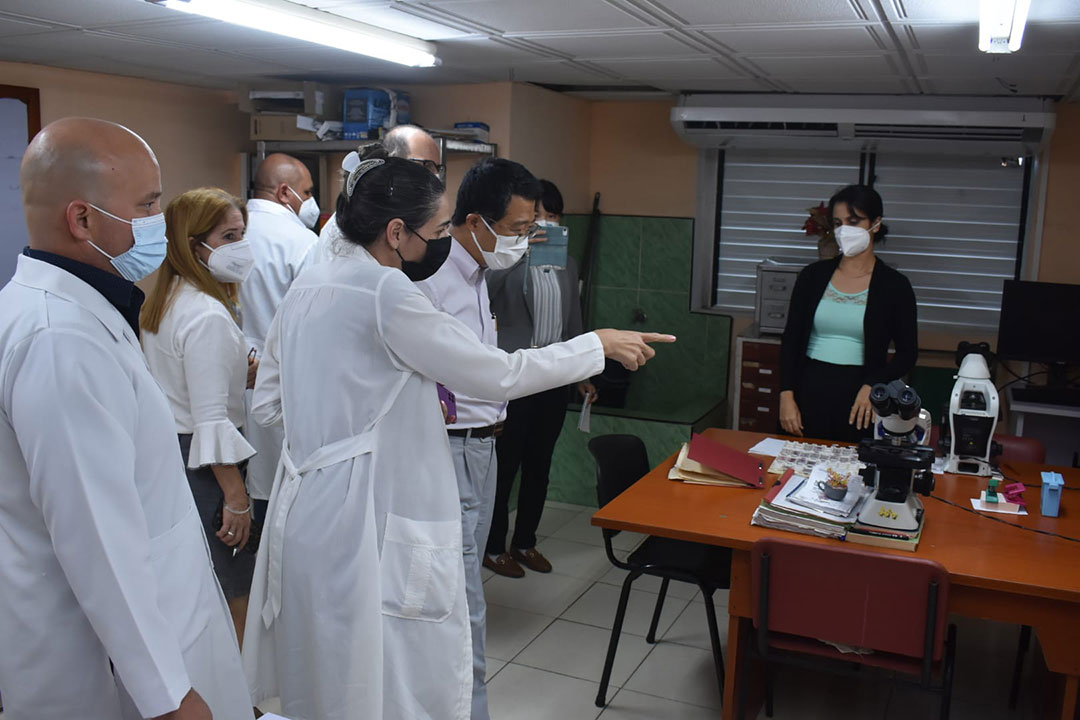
x: 812, y: 497
x: 707, y: 462
x: 780, y: 509
x: 691, y: 471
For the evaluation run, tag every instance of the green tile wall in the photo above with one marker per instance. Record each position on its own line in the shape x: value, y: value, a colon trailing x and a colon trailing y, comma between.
x: 644, y: 263
x: 573, y: 471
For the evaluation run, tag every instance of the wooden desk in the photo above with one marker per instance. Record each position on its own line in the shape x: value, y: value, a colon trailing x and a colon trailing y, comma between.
x: 997, y: 572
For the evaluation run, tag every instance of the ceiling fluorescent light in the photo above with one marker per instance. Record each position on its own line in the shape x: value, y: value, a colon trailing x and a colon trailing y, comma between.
x: 304, y: 23
x: 1001, y: 24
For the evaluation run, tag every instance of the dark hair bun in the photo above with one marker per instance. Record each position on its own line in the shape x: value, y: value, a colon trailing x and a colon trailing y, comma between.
x: 372, y: 151
x: 396, y: 188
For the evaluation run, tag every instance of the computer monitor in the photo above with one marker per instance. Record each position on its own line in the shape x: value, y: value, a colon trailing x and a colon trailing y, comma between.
x: 1039, y: 323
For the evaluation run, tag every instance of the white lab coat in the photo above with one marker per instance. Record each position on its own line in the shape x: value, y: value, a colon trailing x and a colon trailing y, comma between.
x: 329, y: 244
x: 358, y: 604
x: 102, y: 555
x: 279, y: 242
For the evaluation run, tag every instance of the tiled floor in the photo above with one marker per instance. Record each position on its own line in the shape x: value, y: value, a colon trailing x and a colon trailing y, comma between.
x: 547, y: 637
x: 548, y: 634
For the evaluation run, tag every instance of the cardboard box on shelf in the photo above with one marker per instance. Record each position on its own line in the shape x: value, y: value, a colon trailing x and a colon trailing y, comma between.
x: 313, y: 99
x: 280, y: 127
x: 480, y: 131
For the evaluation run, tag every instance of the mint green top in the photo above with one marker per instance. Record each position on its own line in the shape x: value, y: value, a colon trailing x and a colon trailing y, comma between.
x: 837, y: 334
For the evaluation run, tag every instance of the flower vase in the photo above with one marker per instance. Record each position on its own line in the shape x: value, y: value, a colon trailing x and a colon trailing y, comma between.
x: 827, y: 248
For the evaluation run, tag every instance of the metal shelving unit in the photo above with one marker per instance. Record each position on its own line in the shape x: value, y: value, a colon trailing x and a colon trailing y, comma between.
x: 447, y: 145
x: 321, y: 149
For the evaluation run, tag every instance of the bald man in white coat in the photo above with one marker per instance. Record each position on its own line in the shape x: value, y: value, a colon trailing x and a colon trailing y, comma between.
x: 108, y: 603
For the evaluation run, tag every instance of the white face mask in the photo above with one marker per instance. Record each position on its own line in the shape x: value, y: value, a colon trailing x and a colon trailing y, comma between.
x: 852, y: 239
x: 508, y: 249
x: 309, y: 210
x: 232, y: 262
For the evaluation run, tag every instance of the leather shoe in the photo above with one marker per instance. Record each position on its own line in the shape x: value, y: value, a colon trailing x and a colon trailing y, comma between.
x: 503, y: 565
x: 531, y: 559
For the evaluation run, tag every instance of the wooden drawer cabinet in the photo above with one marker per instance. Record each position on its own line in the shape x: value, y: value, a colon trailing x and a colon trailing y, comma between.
x: 756, y: 404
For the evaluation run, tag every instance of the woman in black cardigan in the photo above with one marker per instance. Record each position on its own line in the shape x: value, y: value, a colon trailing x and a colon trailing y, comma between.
x: 844, y: 314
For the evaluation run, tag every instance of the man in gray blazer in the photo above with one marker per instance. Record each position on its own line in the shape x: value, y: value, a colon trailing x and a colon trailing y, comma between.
x: 535, y: 306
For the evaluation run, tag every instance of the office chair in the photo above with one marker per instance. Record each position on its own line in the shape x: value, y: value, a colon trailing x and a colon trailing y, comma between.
x: 621, y: 460
x: 808, y: 596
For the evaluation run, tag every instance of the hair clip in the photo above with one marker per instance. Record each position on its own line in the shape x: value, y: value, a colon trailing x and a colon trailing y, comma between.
x: 357, y: 171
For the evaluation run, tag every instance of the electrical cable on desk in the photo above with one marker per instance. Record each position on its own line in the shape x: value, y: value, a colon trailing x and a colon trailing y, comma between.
x: 1021, y: 379
x: 1005, y: 522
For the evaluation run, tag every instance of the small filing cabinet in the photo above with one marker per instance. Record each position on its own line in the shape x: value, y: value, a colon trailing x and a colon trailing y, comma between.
x: 756, y: 405
x: 775, y: 281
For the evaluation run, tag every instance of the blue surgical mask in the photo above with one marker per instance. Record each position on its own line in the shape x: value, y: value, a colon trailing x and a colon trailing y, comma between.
x: 148, y: 252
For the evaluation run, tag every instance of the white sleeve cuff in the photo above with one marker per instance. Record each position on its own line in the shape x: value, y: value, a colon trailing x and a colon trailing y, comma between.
x: 594, y: 351
x: 217, y: 443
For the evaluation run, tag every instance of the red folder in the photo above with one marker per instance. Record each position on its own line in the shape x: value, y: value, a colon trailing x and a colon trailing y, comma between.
x: 778, y: 485
x: 729, y: 461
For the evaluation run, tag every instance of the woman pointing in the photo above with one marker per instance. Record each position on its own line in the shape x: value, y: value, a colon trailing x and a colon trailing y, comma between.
x: 358, y: 605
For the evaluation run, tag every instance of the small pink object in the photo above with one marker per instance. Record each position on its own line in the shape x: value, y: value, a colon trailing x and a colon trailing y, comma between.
x: 1014, y: 493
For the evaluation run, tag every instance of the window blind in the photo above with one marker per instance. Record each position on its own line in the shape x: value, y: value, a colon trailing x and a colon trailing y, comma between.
x: 953, y: 231
x: 765, y: 199
x: 953, y: 225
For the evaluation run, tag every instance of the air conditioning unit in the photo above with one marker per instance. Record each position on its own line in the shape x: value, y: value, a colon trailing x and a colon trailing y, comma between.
x: 1001, y: 126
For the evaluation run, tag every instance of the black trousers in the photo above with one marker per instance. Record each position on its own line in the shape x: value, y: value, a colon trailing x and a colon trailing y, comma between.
x: 825, y: 395
x: 527, y: 441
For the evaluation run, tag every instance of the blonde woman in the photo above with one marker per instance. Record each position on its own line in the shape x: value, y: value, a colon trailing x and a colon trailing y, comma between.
x: 196, y: 351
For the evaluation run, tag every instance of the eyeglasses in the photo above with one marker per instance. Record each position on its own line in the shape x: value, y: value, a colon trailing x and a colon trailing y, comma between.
x: 531, y: 232
x: 430, y: 165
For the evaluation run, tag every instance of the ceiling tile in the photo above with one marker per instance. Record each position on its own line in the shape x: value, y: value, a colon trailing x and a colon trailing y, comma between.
x: 10, y: 26
x: 989, y: 86
x: 714, y: 85
x: 967, y: 11
x: 1054, y: 10
x: 518, y: 16
x: 1010, y: 67
x: 953, y: 11
x: 558, y: 73
x: 938, y: 37
x: 847, y: 85
x: 798, y: 41
x: 211, y: 34
x: 743, y: 12
x: 482, y: 51
x: 670, y: 69
x: 823, y: 66
x: 1039, y: 38
x: 385, y: 15
x: 148, y: 54
x: 621, y: 45
x: 85, y: 13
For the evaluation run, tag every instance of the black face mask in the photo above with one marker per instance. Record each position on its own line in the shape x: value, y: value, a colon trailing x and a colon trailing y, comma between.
x: 435, y: 255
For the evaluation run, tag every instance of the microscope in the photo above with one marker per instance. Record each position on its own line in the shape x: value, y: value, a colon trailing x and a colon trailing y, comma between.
x: 898, y: 459
x: 973, y: 412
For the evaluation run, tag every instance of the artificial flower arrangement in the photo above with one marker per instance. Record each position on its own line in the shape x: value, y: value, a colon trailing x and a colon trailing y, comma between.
x: 820, y: 224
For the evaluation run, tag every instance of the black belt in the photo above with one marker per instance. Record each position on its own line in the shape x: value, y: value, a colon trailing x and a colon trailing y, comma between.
x: 479, y: 433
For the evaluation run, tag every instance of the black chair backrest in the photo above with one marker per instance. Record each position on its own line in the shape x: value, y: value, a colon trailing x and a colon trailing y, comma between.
x: 621, y: 460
